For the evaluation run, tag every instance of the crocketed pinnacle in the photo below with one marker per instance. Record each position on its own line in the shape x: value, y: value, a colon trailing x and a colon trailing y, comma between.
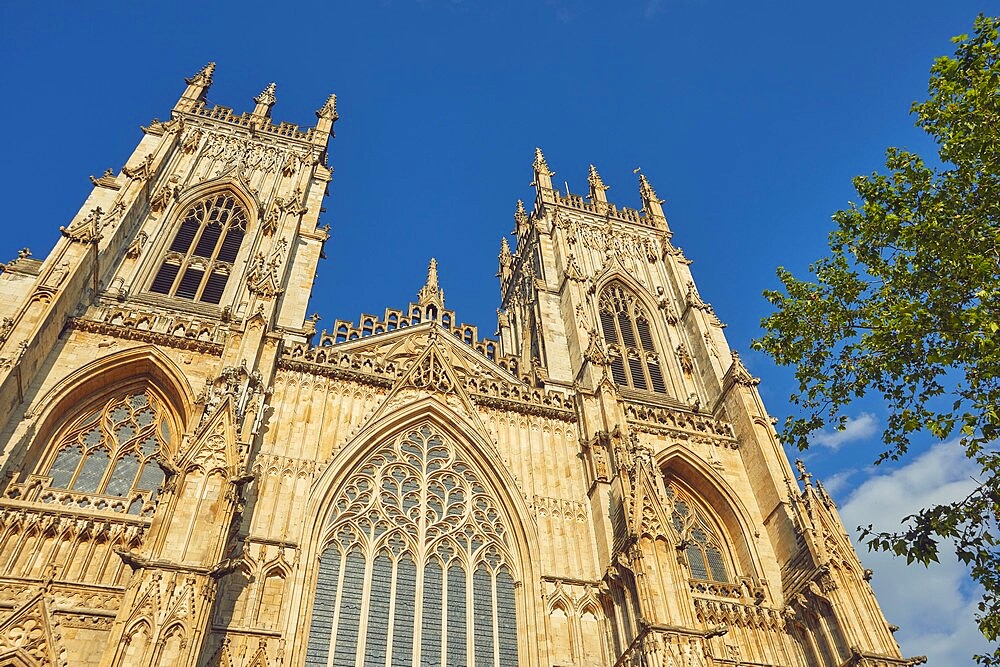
x: 267, y: 95
x: 594, y: 179
x: 540, y: 164
x: 520, y: 215
x: 203, y: 77
x: 645, y: 189
x: 431, y: 292
x: 329, y: 109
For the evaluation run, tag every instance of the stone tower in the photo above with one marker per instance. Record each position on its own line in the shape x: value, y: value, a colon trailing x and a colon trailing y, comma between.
x: 193, y: 475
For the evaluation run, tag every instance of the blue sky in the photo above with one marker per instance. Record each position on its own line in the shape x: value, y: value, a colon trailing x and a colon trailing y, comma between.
x: 750, y: 119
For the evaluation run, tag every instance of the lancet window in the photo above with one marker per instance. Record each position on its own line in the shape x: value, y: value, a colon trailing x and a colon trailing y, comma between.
x: 113, y: 451
x: 417, y: 570
x: 200, y: 258
x: 628, y: 335
x: 701, y: 543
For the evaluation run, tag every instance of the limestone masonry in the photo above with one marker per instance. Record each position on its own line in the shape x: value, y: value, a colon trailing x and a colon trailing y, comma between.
x: 193, y: 475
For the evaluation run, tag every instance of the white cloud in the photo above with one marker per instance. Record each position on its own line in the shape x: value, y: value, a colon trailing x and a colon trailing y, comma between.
x: 933, y: 606
x: 863, y: 426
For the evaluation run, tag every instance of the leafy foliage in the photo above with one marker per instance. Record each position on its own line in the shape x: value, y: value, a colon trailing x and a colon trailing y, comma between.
x: 907, y: 306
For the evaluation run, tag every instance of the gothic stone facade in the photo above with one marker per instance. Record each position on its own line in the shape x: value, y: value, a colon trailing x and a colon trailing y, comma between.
x: 193, y: 475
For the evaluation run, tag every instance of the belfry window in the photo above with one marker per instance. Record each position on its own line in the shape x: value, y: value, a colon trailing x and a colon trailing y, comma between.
x: 200, y: 259
x: 113, y: 451
x: 417, y: 570
x: 701, y: 544
x: 629, y: 338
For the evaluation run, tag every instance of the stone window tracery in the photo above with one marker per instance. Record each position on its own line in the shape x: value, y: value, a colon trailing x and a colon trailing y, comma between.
x: 417, y: 570
x: 635, y: 362
x: 200, y: 259
x: 113, y: 451
x: 702, y: 546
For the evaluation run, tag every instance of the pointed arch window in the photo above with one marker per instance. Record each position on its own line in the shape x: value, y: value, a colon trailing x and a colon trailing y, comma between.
x: 702, y: 546
x: 200, y: 258
x: 418, y: 568
x: 113, y: 450
x: 628, y: 335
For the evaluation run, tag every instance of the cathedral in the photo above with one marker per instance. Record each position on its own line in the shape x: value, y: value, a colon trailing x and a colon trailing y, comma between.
x: 192, y: 474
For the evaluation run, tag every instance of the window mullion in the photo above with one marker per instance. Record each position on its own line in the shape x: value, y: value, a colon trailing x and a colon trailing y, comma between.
x: 623, y: 349
x: 211, y: 261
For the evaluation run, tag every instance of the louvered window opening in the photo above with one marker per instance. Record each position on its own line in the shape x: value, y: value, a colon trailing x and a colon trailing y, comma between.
x: 417, y: 570
x: 628, y: 335
x: 113, y: 451
x: 702, y: 547
x: 200, y: 259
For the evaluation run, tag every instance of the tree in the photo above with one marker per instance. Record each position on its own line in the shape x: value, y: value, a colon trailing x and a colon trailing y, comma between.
x: 906, y: 306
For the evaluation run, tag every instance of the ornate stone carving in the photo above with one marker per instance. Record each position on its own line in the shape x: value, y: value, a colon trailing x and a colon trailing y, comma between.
x: 685, y: 360
x: 87, y: 230
x: 135, y: 247
x: 247, y: 390
x: 142, y: 171
x: 107, y: 180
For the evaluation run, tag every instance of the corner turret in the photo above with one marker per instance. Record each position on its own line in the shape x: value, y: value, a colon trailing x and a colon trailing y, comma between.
x: 543, y: 176
x: 197, y: 89
x: 265, y: 101
x: 651, y: 204
x: 327, y: 115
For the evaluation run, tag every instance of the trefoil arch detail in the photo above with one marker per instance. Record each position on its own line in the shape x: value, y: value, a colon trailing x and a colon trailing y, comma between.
x: 418, y: 523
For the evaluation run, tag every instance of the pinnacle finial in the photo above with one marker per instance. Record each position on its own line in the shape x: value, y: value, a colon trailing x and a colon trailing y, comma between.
x: 804, y: 476
x: 265, y: 101
x: 431, y: 292
x: 197, y: 88
x: 645, y: 189
x: 432, y: 274
x: 595, y: 179
x: 203, y: 77
x: 597, y: 186
x: 504, y: 247
x: 267, y: 95
x: 540, y: 164
x: 650, y: 202
x: 329, y: 109
x: 543, y: 175
x: 520, y: 218
x: 327, y: 115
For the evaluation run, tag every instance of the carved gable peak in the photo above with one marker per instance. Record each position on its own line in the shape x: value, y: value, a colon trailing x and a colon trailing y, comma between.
x: 402, y: 347
x: 29, y: 634
x: 433, y: 370
x: 214, y: 446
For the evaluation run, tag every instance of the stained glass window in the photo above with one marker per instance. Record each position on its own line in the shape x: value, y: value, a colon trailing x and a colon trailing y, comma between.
x: 702, y: 547
x: 635, y: 362
x: 415, y: 517
x: 112, y: 450
x: 201, y: 256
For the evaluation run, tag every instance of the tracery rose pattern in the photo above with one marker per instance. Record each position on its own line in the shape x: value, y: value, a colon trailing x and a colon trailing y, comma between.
x: 417, y: 520
x: 416, y: 488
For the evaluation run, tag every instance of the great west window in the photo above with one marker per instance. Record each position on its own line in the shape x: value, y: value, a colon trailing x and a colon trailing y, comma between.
x: 417, y: 569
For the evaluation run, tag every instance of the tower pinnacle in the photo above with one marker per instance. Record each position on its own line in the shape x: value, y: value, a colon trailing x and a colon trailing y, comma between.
x: 327, y: 115
x: 265, y: 101
x: 650, y: 202
x: 543, y: 175
x: 197, y: 87
x: 431, y: 292
x: 203, y: 77
x: 520, y: 219
x: 597, y: 186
